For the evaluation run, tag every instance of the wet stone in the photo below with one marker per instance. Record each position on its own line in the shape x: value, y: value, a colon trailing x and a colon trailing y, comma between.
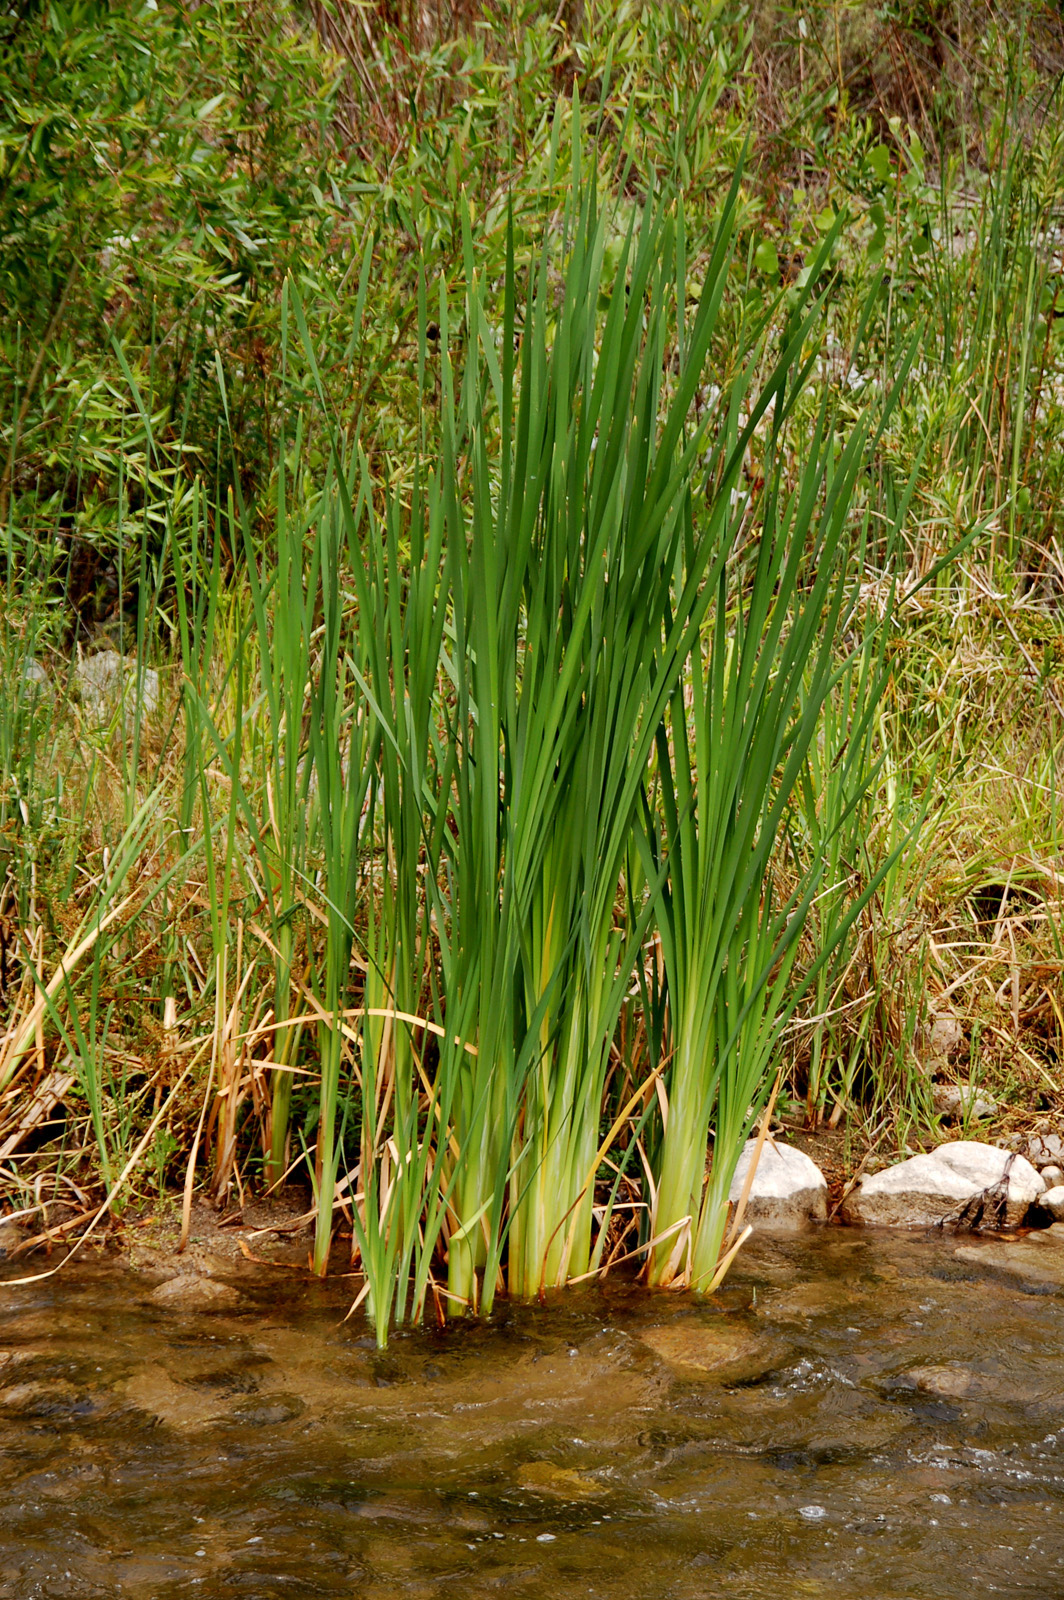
x: 11, y: 1360
x: 63, y: 1483
x: 19, y: 1328
x: 191, y: 1293
x: 40, y: 1399
x: 722, y: 1348
x: 805, y: 1302
x: 953, y: 1383
x: 269, y: 1413
x: 151, y: 1389
x: 559, y: 1483
x: 1037, y: 1260
x: 240, y: 1380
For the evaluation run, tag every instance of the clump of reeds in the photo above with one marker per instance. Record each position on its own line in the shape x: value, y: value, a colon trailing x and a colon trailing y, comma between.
x: 537, y: 753
x: 473, y: 705
x: 428, y: 743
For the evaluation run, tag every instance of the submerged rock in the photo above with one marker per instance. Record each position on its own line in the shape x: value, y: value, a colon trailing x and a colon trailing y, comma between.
x: 950, y: 1382
x: 151, y: 1389
x: 268, y: 1413
x: 963, y: 1183
x: 788, y: 1191
x: 696, y: 1348
x: 51, y: 1398
x: 559, y: 1483
x: 955, y: 1101
x: 1037, y: 1260
x: 188, y: 1292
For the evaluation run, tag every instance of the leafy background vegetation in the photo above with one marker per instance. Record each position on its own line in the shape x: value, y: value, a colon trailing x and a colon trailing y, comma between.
x: 277, y: 283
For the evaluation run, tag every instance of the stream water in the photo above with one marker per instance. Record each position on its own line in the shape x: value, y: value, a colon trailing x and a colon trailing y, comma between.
x: 856, y: 1415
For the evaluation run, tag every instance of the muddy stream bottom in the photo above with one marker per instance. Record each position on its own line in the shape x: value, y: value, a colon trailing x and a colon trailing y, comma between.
x: 855, y: 1415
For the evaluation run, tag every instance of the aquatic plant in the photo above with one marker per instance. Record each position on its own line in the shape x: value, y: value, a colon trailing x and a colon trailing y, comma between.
x: 555, y: 653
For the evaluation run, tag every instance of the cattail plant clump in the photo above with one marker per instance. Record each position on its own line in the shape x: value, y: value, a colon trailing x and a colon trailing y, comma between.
x: 571, y: 605
x: 518, y: 717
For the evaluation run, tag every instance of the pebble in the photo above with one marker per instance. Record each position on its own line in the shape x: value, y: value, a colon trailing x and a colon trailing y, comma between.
x: 1045, y: 1148
x: 955, y: 1101
x: 813, y: 1513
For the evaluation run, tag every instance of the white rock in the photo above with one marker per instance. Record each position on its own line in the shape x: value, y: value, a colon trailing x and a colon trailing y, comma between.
x: 33, y: 673
x: 954, y: 1102
x: 789, y: 1190
x: 1053, y: 1202
x: 103, y: 679
x: 945, y: 1036
x: 939, y: 1185
x: 1051, y: 1176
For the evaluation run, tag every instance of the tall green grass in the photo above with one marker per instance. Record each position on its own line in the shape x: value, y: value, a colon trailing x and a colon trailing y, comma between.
x: 469, y: 733
x: 460, y: 745
x: 526, y: 615
x: 540, y: 739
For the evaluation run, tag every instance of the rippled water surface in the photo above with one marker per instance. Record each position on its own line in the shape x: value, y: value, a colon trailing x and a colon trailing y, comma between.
x: 855, y: 1416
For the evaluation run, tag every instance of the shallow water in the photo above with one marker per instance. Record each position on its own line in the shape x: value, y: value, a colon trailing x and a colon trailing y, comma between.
x: 856, y: 1415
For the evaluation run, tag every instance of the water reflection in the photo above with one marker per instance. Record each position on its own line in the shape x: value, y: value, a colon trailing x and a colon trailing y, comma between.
x: 856, y: 1416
